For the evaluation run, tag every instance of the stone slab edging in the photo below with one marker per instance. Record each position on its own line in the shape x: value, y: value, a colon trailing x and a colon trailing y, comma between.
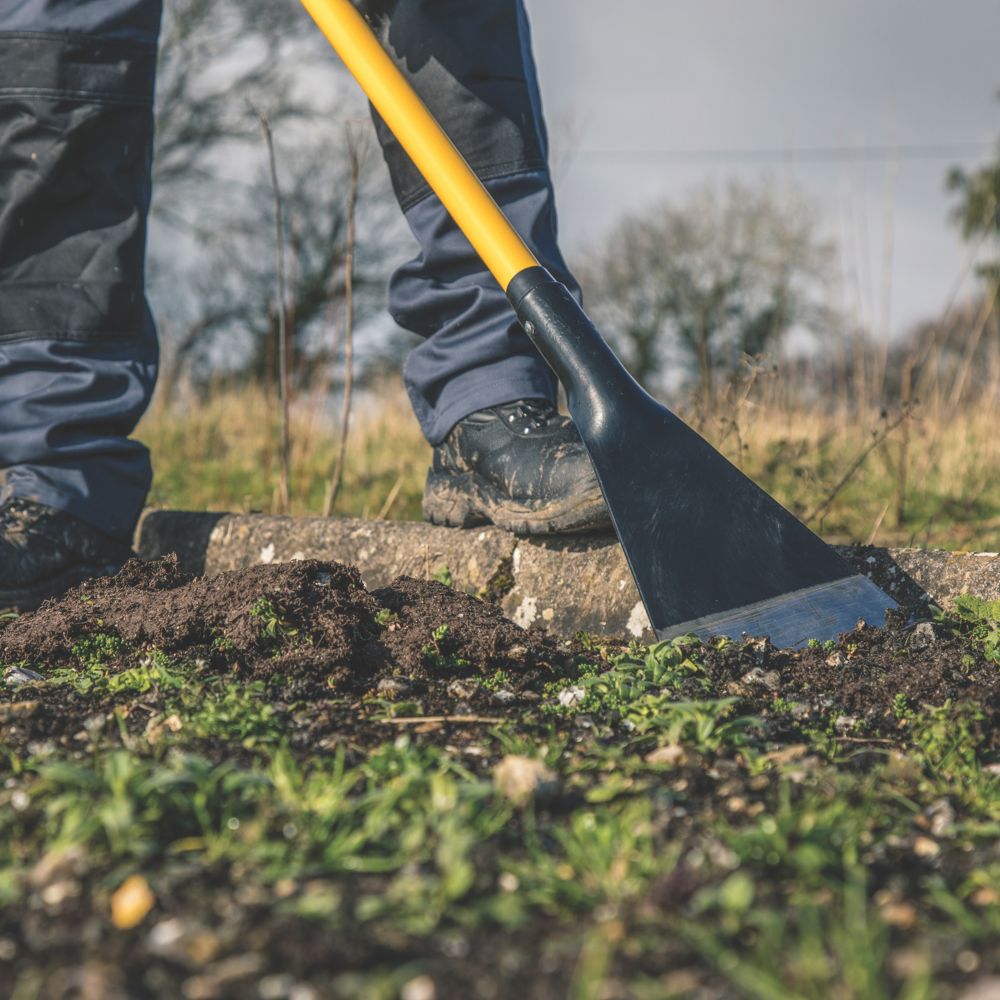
x: 565, y: 585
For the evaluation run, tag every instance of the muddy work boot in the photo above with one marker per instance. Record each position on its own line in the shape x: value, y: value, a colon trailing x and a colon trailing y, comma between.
x: 522, y: 467
x: 44, y: 552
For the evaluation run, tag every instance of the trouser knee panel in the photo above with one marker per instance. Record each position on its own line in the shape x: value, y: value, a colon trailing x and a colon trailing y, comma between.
x: 75, y: 149
x: 470, y: 62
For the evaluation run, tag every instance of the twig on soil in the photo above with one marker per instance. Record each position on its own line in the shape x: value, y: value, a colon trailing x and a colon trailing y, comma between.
x: 415, y: 720
x: 863, y: 739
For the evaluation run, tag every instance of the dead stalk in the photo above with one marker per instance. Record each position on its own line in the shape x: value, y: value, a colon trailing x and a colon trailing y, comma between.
x: 902, y: 467
x: 284, y: 489
x: 390, y: 499
x: 873, y: 534
x: 336, y: 477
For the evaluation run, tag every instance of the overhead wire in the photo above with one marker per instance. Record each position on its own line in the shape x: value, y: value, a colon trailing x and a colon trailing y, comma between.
x: 784, y: 154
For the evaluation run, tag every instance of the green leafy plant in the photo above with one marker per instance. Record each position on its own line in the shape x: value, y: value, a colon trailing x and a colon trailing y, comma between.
x: 982, y: 623
x: 437, y: 653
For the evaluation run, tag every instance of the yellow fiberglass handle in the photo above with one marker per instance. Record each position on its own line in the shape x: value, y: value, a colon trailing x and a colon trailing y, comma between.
x: 435, y: 156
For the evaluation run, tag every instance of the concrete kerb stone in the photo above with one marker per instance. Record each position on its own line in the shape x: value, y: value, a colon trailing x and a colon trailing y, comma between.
x: 565, y: 585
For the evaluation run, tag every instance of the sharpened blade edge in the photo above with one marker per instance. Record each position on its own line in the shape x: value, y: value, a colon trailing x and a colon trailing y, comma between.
x: 791, y: 620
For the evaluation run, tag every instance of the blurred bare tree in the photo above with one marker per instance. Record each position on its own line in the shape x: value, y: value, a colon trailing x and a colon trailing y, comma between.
x: 702, y: 284
x: 211, y: 273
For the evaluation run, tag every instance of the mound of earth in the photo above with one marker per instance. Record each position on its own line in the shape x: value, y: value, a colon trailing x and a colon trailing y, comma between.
x: 315, y: 626
x: 304, y: 620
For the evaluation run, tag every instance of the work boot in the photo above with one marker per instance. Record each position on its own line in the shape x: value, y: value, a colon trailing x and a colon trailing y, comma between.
x: 44, y: 552
x: 520, y: 465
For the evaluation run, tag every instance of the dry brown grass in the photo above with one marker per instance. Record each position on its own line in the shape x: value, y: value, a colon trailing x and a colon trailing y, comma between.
x: 221, y: 453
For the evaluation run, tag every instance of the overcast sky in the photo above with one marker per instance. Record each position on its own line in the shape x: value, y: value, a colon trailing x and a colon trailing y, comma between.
x: 649, y: 98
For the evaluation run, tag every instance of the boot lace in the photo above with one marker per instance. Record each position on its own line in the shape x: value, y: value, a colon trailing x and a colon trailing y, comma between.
x: 533, y: 413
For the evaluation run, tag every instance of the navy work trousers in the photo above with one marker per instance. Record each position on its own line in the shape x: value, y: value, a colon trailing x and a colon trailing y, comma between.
x: 78, y: 352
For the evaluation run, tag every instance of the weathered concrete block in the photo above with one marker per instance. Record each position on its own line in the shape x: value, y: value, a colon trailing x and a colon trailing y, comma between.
x: 565, y: 585
x: 576, y: 584
x: 914, y: 575
x: 382, y: 550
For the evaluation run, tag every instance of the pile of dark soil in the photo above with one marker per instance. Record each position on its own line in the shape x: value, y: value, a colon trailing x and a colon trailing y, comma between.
x: 309, y: 628
x: 317, y: 628
x: 307, y: 620
x: 871, y: 678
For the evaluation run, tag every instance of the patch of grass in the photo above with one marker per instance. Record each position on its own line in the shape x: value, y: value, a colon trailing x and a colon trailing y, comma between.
x: 758, y: 867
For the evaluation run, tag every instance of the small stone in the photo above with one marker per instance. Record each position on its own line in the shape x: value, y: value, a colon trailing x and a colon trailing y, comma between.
x: 165, y: 936
x: 908, y: 963
x: 200, y: 988
x: 771, y: 680
x: 419, y: 988
x: 21, y: 675
x: 967, y: 961
x: 131, y: 901
x: 670, y: 756
x: 18, y: 710
x: 924, y: 847
x: 845, y: 724
x: 237, y: 967
x: 901, y: 915
x: 462, y: 689
x: 56, y: 893
x: 521, y: 779
x: 285, y: 887
x: 508, y: 882
x: 796, y: 751
x: 277, y: 987
x: 455, y: 946
x: 571, y: 696
x: 985, y: 896
x: 393, y: 687
x: 942, y: 817
x: 923, y: 635
x: 987, y: 988
x: 835, y: 659
x: 504, y: 696
x: 93, y: 724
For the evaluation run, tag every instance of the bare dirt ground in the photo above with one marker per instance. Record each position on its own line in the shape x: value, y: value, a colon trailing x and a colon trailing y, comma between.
x: 325, y: 791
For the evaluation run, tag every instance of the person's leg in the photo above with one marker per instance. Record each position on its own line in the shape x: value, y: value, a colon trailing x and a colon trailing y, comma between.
x: 471, y: 62
x: 78, y: 349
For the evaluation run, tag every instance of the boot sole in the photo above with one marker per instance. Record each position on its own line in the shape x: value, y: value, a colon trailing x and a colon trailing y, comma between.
x: 29, y: 598
x: 466, y: 501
